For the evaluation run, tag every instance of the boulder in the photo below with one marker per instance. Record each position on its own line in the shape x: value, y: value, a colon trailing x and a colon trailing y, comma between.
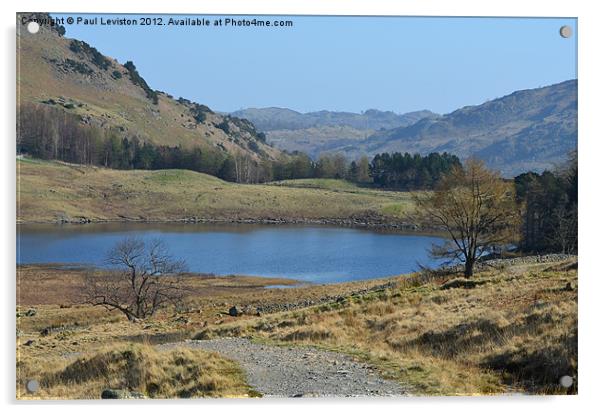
x: 121, y: 394
x: 569, y: 287
x: 459, y: 283
x: 234, y: 311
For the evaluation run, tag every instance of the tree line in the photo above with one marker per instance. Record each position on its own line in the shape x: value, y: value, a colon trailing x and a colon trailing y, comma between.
x: 334, y: 166
x: 47, y: 132
x: 411, y: 171
x: 549, y: 209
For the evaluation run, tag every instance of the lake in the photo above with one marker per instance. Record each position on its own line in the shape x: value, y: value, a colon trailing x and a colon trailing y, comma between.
x: 316, y: 254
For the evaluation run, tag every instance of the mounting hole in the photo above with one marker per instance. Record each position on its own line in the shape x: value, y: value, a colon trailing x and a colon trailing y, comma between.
x: 33, y: 27
x: 566, y: 31
x: 566, y: 381
x: 32, y: 386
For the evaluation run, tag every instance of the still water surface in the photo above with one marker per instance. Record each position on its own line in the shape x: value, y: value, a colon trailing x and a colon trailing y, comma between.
x: 311, y: 254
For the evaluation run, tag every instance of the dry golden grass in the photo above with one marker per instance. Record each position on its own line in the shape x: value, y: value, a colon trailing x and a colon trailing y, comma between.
x: 63, y: 329
x: 55, y: 295
x: 515, y: 332
x: 48, y: 284
x: 176, y: 373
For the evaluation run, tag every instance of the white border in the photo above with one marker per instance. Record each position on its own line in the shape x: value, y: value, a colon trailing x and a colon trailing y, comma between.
x: 590, y: 145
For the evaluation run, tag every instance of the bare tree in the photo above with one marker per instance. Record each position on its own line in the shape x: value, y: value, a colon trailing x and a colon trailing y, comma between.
x: 146, y: 278
x: 475, y: 207
x: 564, y: 233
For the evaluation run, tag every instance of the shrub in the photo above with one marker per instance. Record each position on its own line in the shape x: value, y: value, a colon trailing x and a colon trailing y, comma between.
x: 199, y: 112
x: 254, y: 147
x: 139, y: 80
x: 460, y: 283
x: 80, y: 47
x: 75, y: 66
x: 224, y: 125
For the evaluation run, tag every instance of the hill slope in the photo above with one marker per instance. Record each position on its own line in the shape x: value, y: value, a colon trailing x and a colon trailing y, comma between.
x: 512, y: 329
x: 61, y: 192
x: 73, y: 76
x: 317, y: 132
x: 527, y: 130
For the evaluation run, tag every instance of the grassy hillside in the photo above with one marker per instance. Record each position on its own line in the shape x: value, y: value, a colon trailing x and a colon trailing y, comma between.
x: 335, y: 185
x: 59, y: 71
x: 139, y: 371
x: 511, y: 329
x: 55, y: 191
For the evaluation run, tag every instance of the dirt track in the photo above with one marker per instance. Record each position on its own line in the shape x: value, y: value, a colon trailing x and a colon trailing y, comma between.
x: 279, y: 371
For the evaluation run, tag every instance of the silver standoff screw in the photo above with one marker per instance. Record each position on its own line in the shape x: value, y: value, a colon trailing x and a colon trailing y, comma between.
x: 566, y: 31
x: 32, y: 386
x: 566, y: 381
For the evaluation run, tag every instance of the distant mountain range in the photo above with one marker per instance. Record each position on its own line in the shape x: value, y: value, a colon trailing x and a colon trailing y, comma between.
x: 270, y: 119
x: 317, y: 132
x: 530, y: 129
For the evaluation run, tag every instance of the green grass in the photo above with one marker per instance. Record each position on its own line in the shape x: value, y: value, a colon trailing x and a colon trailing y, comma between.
x: 329, y: 184
x: 27, y: 160
x: 179, y: 176
x: 396, y: 209
x: 50, y: 190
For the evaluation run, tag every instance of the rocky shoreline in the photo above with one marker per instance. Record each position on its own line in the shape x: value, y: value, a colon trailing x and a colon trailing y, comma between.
x: 377, y: 222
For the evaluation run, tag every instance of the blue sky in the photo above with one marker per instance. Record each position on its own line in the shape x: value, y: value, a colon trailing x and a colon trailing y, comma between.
x: 344, y: 63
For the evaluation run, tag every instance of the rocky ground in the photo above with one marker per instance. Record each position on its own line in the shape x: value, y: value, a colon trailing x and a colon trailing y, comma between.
x: 274, y: 307
x: 278, y: 371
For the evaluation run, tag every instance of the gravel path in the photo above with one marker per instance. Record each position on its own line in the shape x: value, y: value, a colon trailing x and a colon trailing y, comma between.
x: 298, y: 371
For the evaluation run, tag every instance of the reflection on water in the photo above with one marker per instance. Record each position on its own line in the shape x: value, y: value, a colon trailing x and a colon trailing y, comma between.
x: 306, y: 253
